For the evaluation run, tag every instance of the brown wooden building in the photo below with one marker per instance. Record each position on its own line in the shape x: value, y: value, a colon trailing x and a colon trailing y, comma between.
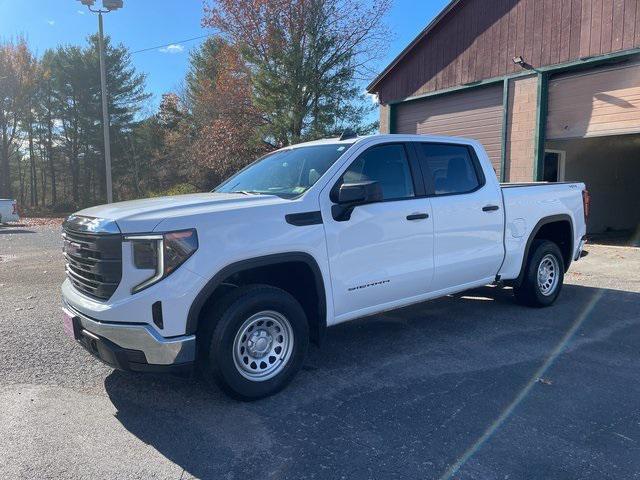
x: 550, y: 87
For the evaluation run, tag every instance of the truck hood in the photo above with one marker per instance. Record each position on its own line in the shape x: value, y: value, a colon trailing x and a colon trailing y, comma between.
x: 137, y: 216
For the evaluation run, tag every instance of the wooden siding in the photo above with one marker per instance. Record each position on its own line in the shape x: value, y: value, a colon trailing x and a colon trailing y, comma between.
x: 521, y: 129
x: 594, y: 103
x: 477, y: 39
x: 476, y: 114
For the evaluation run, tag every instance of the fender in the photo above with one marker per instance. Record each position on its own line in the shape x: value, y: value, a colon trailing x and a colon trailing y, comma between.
x: 532, y: 235
x: 274, y: 259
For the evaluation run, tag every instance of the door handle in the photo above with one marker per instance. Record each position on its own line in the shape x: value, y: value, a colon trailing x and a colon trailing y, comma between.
x: 417, y: 216
x: 490, y: 208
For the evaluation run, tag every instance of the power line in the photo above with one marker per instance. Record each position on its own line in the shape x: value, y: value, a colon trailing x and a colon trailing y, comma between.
x: 173, y: 43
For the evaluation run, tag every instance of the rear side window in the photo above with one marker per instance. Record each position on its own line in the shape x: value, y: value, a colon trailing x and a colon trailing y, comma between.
x: 450, y: 167
x: 386, y: 164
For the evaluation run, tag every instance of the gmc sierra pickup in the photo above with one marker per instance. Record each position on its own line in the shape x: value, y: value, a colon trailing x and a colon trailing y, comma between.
x: 239, y: 280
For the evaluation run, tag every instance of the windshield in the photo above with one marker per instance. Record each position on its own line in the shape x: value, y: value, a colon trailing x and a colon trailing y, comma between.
x: 286, y: 173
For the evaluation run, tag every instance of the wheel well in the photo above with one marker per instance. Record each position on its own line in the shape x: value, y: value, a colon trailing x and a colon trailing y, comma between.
x: 296, y: 277
x: 558, y: 232
x: 557, y: 229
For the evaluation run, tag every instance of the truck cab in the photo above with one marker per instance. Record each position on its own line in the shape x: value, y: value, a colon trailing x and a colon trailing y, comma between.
x: 237, y: 281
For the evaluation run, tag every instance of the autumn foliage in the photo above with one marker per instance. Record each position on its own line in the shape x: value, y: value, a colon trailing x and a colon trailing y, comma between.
x: 228, y: 140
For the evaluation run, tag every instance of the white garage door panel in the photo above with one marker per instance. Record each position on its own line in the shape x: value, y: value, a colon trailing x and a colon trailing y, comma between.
x: 475, y: 113
x: 595, y: 103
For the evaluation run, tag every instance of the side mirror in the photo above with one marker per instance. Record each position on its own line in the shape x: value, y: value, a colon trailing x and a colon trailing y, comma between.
x: 350, y: 195
x: 359, y: 193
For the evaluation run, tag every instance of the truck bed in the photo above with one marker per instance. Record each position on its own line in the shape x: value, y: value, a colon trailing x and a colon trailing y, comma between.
x: 532, y: 184
x: 524, y: 207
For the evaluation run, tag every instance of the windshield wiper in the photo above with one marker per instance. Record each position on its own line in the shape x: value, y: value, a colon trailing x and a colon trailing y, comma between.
x: 250, y: 192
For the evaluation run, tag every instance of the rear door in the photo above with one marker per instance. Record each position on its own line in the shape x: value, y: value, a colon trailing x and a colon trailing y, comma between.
x: 468, y: 220
x: 382, y: 256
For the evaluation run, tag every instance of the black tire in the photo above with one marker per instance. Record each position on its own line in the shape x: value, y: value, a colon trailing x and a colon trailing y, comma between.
x: 530, y: 292
x: 225, y: 322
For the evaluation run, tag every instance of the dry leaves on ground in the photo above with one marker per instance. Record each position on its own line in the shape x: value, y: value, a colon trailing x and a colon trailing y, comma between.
x: 39, y: 222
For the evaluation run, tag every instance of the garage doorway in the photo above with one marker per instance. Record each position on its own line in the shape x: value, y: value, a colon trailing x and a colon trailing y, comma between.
x: 553, y: 165
x: 610, y: 167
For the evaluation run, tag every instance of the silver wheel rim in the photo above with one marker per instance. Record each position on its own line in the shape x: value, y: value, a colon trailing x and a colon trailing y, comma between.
x: 263, y: 346
x: 548, y: 274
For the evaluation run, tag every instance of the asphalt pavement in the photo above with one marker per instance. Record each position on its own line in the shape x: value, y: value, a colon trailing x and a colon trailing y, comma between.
x: 471, y: 386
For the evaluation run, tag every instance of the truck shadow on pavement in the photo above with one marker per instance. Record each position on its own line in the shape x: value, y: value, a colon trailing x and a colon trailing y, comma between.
x: 408, y: 393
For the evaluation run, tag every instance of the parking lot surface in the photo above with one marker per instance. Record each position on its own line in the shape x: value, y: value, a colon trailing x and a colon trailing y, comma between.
x: 471, y: 386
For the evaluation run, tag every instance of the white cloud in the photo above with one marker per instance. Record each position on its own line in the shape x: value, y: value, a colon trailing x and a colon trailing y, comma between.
x: 173, y: 48
x: 51, y: 22
x: 80, y: 12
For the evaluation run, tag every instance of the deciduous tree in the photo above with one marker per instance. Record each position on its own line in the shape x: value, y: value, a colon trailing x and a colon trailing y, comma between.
x: 229, y: 136
x: 306, y: 58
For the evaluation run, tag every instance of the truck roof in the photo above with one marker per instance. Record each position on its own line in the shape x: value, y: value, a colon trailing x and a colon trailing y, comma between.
x: 390, y: 136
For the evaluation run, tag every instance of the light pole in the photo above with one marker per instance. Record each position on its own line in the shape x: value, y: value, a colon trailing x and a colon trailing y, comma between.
x: 107, y: 6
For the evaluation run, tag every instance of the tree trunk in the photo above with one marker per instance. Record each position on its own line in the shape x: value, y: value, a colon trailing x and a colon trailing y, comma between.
x: 5, y: 170
x: 43, y: 182
x: 33, y: 178
x: 73, y: 165
x: 86, y: 182
x: 75, y: 171
x: 52, y: 167
x: 21, y: 179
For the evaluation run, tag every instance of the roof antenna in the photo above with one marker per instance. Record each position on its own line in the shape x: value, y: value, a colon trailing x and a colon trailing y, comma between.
x: 347, y: 134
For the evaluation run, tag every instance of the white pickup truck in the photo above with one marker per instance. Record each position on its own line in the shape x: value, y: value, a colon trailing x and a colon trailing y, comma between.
x: 8, y: 210
x: 239, y: 280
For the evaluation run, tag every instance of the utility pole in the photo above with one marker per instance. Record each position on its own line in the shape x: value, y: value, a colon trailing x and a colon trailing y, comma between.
x: 105, y: 112
x: 108, y: 5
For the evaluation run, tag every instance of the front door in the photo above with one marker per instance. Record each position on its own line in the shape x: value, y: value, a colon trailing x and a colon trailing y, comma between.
x: 382, y: 256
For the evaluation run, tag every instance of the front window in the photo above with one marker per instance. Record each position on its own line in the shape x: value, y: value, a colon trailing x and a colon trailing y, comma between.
x: 386, y: 164
x: 286, y: 173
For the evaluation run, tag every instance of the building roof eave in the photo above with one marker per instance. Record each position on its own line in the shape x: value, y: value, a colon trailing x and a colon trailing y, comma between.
x: 408, y: 48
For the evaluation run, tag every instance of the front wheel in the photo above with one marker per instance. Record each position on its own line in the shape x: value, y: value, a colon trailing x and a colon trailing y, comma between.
x: 543, y: 276
x: 258, y: 343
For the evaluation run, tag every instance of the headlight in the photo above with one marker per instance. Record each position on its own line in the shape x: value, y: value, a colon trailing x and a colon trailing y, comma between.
x: 162, y: 253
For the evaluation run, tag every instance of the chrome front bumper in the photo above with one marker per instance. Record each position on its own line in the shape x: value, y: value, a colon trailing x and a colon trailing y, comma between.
x: 136, y: 337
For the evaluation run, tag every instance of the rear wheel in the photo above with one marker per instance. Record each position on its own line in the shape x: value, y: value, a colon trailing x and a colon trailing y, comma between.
x: 543, y: 276
x: 258, y: 341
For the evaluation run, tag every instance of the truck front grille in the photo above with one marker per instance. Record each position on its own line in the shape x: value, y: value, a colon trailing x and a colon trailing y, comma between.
x: 93, y: 260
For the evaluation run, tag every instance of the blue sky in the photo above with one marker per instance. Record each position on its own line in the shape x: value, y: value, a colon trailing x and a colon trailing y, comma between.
x: 142, y: 24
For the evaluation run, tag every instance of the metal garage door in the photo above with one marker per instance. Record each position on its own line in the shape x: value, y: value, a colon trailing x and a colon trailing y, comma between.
x: 594, y: 103
x: 475, y: 113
